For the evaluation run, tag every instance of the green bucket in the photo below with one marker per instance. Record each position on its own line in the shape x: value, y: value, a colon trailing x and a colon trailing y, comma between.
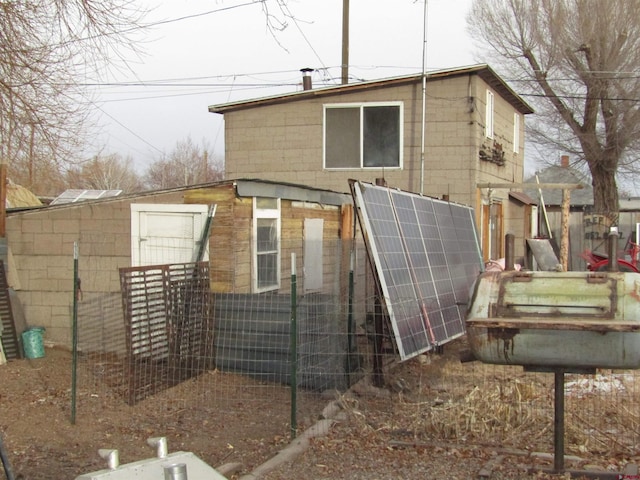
x: 32, y: 342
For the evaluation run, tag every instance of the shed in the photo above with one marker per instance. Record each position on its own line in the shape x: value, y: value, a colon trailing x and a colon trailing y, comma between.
x: 162, y: 227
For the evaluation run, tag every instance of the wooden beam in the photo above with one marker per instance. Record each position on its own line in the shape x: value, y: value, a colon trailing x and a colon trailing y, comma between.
x: 564, y: 230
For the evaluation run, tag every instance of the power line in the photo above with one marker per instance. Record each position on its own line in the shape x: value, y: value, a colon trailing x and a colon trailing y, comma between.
x: 579, y: 97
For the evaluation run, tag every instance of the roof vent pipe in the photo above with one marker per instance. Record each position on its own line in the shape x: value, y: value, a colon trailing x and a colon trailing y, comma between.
x: 306, y: 78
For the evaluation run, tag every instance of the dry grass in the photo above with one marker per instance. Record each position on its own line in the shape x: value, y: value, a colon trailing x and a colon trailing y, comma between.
x: 445, y: 400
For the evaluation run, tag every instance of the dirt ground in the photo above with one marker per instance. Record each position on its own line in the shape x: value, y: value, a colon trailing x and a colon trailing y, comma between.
x: 370, y: 437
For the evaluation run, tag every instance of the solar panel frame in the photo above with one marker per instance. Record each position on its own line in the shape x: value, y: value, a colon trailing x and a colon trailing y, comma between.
x: 427, y: 255
x: 76, y: 195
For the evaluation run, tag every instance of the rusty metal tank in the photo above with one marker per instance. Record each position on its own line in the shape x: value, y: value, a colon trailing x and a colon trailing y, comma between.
x: 571, y: 320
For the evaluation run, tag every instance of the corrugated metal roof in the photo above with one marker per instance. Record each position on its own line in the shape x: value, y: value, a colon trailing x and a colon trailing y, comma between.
x: 482, y: 70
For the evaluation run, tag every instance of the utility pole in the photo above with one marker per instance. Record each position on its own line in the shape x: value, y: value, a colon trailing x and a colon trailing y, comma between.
x: 345, y: 42
x: 205, y: 166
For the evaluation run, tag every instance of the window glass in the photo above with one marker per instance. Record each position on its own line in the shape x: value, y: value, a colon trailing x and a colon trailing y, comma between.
x: 342, y: 145
x: 488, y: 128
x: 381, y: 132
x: 266, y: 244
x: 266, y: 203
x: 363, y: 136
x: 267, y: 271
x: 267, y: 236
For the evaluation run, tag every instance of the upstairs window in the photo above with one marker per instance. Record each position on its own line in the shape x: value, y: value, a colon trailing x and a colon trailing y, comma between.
x: 488, y: 121
x: 266, y: 244
x: 365, y: 135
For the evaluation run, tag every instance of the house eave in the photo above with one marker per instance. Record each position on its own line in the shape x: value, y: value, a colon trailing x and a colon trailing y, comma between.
x: 482, y: 70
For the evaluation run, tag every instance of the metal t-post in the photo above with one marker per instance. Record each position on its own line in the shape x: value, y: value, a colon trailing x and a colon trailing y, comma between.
x: 294, y: 347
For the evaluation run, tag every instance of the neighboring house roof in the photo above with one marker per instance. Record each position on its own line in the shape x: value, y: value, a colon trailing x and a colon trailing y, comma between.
x: 630, y: 204
x: 560, y: 174
x: 20, y: 197
x: 482, y: 70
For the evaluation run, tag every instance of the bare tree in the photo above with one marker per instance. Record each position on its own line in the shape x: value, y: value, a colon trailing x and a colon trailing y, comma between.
x: 48, y: 49
x: 578, y: 62
x: 187, y: 164
x: 110, y: 172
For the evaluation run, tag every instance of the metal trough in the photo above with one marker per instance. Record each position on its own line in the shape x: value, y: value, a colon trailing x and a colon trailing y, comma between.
x: 570, y: 320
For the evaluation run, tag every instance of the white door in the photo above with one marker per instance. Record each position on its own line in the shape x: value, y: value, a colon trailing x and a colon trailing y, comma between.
x: 313, y: 254
x: 164, y: 233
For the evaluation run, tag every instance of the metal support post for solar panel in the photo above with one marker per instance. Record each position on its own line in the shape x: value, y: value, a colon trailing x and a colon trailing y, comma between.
x: 293, y: 348
x: 74, y: 347
x: 378, y: 379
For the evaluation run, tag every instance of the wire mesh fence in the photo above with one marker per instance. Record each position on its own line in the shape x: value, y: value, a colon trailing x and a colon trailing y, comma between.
x: 232, y: 350
x: 506, y: 406
x: 164, y: 326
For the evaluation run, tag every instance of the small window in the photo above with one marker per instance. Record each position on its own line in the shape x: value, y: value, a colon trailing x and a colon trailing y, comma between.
x: 266, y: 244
x: 488, y: 127
x: 363, y: 136
x: 516, y: 133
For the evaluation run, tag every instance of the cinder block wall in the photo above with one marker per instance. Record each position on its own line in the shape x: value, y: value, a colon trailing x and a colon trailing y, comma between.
x: 284, y: 141
x: 42, y: 254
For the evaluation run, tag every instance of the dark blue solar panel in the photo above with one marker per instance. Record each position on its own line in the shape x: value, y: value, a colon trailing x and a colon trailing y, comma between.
x: 427, y: 256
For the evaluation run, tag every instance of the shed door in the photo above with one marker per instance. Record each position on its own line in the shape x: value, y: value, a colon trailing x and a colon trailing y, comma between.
x: 164, y: 233
x: 313, y: 228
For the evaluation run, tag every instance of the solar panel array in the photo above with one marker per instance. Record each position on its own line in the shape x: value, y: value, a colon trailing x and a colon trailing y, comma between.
x: 427, y: 256
x: 76, y: 195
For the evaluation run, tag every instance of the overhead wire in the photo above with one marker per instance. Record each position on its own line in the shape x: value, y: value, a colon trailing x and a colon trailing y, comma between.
x: 164, y: 84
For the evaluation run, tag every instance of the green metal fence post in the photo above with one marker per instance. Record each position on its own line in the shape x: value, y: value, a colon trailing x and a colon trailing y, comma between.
x: 351, y: 349
x: 74, y: 333
x: 293, y: 348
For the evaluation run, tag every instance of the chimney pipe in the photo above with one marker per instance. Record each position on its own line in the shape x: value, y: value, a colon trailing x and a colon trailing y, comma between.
x: 306, y: 78
x: 564, y: 161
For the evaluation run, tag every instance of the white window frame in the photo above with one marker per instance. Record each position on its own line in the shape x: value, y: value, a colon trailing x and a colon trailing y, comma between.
x: 489, y: 114
x: 516, y: 133
x: 265, y: 213
x: 361, y: 106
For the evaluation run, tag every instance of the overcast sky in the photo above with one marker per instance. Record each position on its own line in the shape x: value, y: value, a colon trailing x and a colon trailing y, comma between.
x: 208, y: 52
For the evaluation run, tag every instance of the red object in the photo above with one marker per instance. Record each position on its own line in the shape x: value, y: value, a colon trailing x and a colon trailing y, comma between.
x: 597, y: 262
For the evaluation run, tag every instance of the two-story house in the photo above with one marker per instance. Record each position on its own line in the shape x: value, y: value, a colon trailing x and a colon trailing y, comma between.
x: 441, y: 135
